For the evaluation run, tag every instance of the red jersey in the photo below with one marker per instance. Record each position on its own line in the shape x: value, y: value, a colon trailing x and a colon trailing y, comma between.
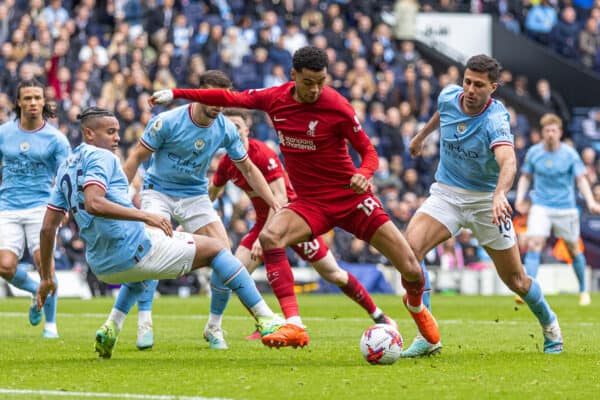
x: 266, y: 161
x: 312, y: 136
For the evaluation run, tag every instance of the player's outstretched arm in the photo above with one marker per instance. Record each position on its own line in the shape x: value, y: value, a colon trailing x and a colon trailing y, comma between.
x: 52, y: 220
x: 507, y: 161
x: 416, y: 144
x: 98, y: 205
x: 521, y: 204
x: 584, y: 187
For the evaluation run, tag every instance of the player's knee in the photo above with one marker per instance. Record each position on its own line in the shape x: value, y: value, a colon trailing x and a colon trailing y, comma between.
x: 535, y: 244
x: 7, y: 269
x: 337, y: 277
x: 269, y: 239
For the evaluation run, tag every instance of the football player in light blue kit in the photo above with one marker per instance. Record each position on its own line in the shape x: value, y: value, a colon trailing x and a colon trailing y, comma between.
x: 92, y: 186
x: 476, y: 169
x: 31, y: 150
x: 554, y: 167
x: 180, y: 144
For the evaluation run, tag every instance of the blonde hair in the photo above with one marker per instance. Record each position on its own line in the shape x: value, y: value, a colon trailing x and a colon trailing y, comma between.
x: 550, y: 119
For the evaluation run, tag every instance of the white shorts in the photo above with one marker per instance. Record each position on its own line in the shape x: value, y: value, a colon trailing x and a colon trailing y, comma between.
x: 168, y: 258
x: 20, y: 226
x: 192, y: 213
x: 458, y: 208
x: 563, y: 222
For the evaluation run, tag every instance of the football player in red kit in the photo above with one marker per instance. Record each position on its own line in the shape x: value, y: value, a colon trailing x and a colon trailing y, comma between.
x: 314, y: 252
x: 313, y: 123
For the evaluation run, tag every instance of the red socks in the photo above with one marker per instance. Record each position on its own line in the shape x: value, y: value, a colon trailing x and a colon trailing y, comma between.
x: 414, y: 291
x: 281, y: 279
x: 357, y: 292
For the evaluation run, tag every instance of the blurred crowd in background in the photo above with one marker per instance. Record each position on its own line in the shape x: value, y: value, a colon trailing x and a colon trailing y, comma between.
x: 115, y: 53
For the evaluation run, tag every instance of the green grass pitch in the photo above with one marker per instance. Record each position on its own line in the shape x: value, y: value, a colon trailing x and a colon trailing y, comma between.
x: 492, y: 350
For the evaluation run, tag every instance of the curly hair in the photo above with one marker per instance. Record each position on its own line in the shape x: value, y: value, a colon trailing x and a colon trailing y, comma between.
x: 310, y: 57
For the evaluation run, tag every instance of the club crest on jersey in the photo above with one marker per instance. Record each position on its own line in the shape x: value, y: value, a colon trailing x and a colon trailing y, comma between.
x: 199, y: 144
x: 461, y: 128
x: 312, y: 125
x: 24, y: 146
x: 156, y: 127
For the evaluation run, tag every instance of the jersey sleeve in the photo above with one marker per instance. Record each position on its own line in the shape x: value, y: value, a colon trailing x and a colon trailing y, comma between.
x: 99, y: 169
x: 258, y: 99
x: 447, y: 94
x: 499, y: 130
x: 58, y: 201
x: 154, y: 134
x: 233, y: 143
x: 62, y: 149
x: 221, y: 175
x: 578, y: 166
x: 527, y: 167
x: 351, y: 129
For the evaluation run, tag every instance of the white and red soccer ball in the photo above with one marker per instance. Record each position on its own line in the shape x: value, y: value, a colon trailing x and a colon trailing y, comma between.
x: 381, y: 344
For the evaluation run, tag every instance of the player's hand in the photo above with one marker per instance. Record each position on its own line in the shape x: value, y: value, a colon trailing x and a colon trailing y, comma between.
x: 359, y: 183
x: 256, y: 253
x: 594, y: 208
x: 522, y: 206
x: 47, y: 287
x: 501, y: 209
x: 160, y: 222
x: 415, y: 146
x: 161, y: 97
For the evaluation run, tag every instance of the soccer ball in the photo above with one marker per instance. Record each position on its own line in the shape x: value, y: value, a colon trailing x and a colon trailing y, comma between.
x: 381, y: 344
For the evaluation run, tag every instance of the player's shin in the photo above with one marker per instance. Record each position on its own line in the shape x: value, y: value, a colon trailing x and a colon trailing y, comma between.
x: 538, y: 304
x: 532, y: 263
x: 281, y: 279
x: 50, y: 311
x: 219, y: 299
x: 579, y: 268
x: 414, y: 292
x: 236, y: 277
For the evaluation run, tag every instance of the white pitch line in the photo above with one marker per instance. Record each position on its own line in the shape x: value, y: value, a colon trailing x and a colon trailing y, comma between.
x: 60, y: 393
x: 240, y: 317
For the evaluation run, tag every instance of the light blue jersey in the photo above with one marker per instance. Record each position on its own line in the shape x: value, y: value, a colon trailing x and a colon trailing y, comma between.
x: 111, y: 245
x: 29, y: 163
x: 467, y: 159
x: 183, y: 151
x: 554, y: 175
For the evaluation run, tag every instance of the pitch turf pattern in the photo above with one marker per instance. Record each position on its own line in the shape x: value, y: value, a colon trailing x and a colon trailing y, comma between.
x: 492, y: 349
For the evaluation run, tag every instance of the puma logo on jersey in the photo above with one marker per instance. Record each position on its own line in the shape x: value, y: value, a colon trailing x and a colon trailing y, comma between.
x: 312, y: 125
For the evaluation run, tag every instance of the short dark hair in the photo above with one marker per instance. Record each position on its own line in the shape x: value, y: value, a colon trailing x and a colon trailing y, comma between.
x: 310, y: 57
x: 88, y: 116
x: 214, y: 78
x: 48, y: 111
x: 483, y: 63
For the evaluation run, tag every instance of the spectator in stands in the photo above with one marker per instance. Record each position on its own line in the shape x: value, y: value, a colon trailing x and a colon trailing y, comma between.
x: 563, y: 38
x: 589, y: 42
x: 540, y: 21
x: 591, y: 125
x: 552, y: 99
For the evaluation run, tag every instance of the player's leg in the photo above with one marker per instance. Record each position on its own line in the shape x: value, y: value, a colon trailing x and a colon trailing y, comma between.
x: 244, y: 254
x: 284, y: 228
x: 567, y: 227
x: 220, y: 293
x: 510, y: 270
x: 390, y: 242
x: 12, y: 245
x: 430, y: 226
x: 321, y: 258
x: 145, y: 333
x: 539, y: 225
x: 32, y: 226
x: 107, y: 334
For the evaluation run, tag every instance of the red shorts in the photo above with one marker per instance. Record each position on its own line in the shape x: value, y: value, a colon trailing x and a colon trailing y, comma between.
x: 359, y: 214
x: 310, y: 251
